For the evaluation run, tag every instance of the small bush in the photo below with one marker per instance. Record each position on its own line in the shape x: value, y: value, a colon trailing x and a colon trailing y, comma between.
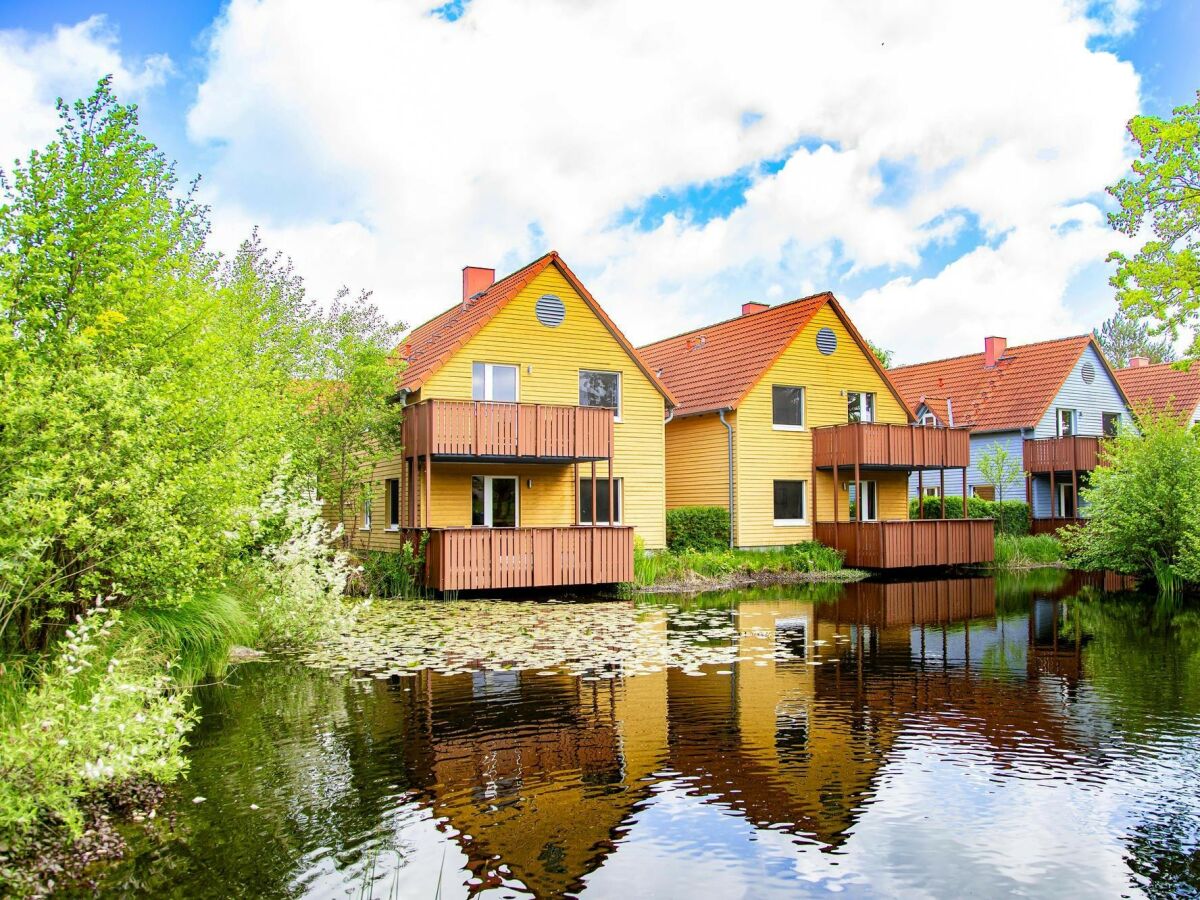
x: 388, y: 573
x: 663, y: 566
x: 697, y: 528
x: 1024, y: 551
x: 1012, y: 516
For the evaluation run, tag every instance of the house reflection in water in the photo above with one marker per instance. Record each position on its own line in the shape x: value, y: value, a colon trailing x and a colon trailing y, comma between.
x: 538, y: 776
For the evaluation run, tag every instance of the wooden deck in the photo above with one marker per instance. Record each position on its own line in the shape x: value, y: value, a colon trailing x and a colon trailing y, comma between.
x: 529, y: 432
x: 905, y: 543
x: 1061, y: 454
x: 467, y: 559
x: 878, y: 445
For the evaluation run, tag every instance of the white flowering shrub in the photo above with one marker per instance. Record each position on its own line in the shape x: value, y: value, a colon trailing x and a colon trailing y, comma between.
x: 301, y: 575
x: 102, y: 711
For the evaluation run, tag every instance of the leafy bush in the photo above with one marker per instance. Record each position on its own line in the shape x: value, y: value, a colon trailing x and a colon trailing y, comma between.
x: 199, y: 633
x: 1012, y: 516
x: 100, y: 712
x: 1024, y: 551
x: 697, y: 528
x: 395, y: 573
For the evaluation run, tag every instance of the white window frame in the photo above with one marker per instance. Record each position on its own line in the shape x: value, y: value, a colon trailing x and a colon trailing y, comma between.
x: 929, y: 420
x: 1072, y: 415
x: 791, y: 523
x: 392, y: 510
x: 366, y: 515
x: 934, y: 491
x: 488, y: 518
x: 803, y: 410
x: 489, y: 381
x: 620, y: 389
x: 618, y: 498
x: 1061, y: 511
x: 858, y: 493
x: 1120, y: 421
x: 861, y: 403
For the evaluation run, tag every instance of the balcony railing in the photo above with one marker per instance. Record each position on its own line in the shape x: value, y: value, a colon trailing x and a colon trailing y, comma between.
x: 471, y: 429
x: 880, y: 445
x: 907, y: 543
x: 1062, y: 454
x: 463, y: 559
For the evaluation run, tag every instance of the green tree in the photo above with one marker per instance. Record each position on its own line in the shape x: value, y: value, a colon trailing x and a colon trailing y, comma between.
x: 1162, y: 280
x: 1144, y: 505
x: 1123, y: 337
x: 884, y: 356
x: 999, y: 469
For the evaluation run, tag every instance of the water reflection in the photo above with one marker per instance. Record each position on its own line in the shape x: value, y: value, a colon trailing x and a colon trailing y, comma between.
x: 935, y: 737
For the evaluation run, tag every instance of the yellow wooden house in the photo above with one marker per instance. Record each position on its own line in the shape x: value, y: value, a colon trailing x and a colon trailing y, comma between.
x: 785, y: 417
x: 533, y: 440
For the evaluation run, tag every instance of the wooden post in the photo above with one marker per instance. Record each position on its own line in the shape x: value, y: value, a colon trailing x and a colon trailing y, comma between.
x: 921, y: 494
x: 428, y: 489
x: 965, y: 514
x: 593, y: 495
x: 1053, y: 500
x: 612, y: 515
x: 942, y: 490
x: 575, y: 490
x: 835, y: 482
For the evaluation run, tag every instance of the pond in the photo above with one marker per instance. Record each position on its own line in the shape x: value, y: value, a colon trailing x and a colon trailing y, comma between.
x: 1035, y: 736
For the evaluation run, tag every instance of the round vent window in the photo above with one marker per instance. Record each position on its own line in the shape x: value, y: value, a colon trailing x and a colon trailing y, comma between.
x: 550, y: 310
x: 826, y: 341
x: 1088, y: 372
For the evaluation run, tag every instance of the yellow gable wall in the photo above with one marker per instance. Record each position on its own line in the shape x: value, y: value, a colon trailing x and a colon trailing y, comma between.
x: 763, y: 454
x: 549, y: 360
x: 698, y: 461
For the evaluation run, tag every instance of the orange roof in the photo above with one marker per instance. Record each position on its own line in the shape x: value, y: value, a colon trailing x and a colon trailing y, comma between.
x: 1015, y: 393
x: 1163, y: 386
x: 428, y: 347
x: 715, y: 367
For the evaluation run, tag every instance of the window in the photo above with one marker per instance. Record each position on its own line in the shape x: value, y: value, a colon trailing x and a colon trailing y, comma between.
x: 860, y: 407
x: 1066, y: 500
x: 494, y: 501
x: 870, y: 510
x: 1112, y: 421
x: 933, y: 492
x: 490, y: 381
x: 983, y: 491
x: 1066, y: 422
x: 789, y: 503
x: 585, y: 501
x: 787, y: 408
x: 393, y: 503
x: 929, y: 420
x: 366, y: 514
x: 601, y: 389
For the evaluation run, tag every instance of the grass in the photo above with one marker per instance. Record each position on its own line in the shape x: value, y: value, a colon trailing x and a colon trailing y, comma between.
x: 198, y: 634
x: 690, y: 565
x: 1027, y: 551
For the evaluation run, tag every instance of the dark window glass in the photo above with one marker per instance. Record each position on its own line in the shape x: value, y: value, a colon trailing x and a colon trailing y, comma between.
x: 1111, y: 422
x: 601, y: 389
x: 789, y: 499
x: 477, y: 515
x: 393, y: 500
x: 787, y: 405
x: 504, y: 503
x: 585, y: 500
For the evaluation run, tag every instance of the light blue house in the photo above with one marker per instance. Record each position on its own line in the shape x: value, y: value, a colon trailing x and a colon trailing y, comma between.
x: 1048, y: 404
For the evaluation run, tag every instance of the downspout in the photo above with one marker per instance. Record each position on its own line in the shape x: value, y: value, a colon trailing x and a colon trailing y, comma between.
x: 949, y: 412
x: 670, y: 416
x: 729, y: 429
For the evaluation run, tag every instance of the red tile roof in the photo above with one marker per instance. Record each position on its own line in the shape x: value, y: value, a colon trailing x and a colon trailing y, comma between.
x: 1015, y: 393
x: 1164, y: 387
x: 428, y: 347
x: 715, y: 367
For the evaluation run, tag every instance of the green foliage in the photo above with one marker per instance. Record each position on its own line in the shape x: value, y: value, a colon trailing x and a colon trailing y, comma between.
x: 100, y: 712
x: 1123, y: 337
x: 1161, y: 281
x: 396, y: 573
x: 1027, y: 551
x: 884, y: 356
x: 999, y: 469
x: 1144, y: 505
x: 697, y: 528
x: 200, y: 632
x: 1012, y: 516
x: 668, y: 566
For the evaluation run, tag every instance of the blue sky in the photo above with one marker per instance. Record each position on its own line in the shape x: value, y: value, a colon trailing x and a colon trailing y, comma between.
x: 942, y: 181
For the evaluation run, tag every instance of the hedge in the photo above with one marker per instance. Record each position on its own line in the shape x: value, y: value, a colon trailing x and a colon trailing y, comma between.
x: 1012, y: 516
x: 697, y: 528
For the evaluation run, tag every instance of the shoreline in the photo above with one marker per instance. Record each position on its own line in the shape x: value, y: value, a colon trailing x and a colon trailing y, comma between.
x: 701, y: 583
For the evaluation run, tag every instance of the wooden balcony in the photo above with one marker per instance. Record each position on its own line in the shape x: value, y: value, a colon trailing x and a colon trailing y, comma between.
x: 907, y: 543
x: 468, y: 559
x: 1061, y: 454
x: 881, y: 446
x: 507, y: 432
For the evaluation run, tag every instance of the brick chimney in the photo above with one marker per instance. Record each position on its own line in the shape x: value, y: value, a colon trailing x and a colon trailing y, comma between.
x: 993, y: 350
x: 1139, y: 362
x: 476, y: 279
x: 752, y: 307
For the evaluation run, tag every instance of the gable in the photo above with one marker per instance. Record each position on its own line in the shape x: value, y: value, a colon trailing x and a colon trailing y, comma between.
x: 1090, y: 399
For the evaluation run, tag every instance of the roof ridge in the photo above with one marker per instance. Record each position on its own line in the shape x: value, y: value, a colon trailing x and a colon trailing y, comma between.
x: 946, y: 359
x: 736, y: 318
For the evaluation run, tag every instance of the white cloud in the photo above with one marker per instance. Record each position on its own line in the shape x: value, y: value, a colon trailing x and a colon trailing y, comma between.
x: 35, y: 69
x: 384, y: 147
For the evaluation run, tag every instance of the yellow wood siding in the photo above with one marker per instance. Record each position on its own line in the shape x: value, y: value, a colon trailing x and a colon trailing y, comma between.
x: 764, y: 455
x: 549, y: 361
x: 698, y: 461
